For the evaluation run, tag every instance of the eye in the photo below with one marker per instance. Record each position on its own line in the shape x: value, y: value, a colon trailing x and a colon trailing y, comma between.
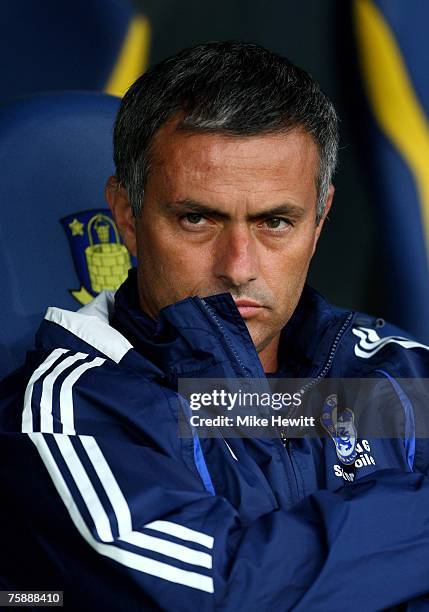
x: 193, y: 218
x: 276, y: 223
x: 194, y: 222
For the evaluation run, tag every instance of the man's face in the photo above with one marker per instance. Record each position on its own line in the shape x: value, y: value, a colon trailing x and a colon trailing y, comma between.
x: 228, y: 214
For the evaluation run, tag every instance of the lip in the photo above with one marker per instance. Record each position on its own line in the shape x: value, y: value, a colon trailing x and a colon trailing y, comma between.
x: 248, y: 308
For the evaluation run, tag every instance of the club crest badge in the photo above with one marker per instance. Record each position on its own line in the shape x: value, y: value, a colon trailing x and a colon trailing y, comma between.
x: 100, y: 258
x: 341, y: 427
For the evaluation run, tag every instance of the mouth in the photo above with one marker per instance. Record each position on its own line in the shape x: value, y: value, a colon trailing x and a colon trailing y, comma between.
x: 248, y: 308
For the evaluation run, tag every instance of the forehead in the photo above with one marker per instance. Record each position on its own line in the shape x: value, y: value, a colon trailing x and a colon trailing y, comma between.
x: 287, y: 161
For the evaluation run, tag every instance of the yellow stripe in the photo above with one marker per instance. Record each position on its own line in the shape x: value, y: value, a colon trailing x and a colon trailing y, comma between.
x: 133, y: 58
x: 391, y: 93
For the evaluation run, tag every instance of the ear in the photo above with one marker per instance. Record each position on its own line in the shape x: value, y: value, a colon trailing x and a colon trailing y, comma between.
x: 119, y: 204
x: 328, y: 205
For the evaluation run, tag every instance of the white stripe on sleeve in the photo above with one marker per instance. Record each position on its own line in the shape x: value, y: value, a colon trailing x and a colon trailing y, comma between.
x: 123, y: 515
x: 66, y: 394
x: 107, y: 479
x: 46, y: 417
x: 170, y: 549
x: 86, y: 489
x: 27, y: 414
x: 126, y: 558
x: 184, y: 533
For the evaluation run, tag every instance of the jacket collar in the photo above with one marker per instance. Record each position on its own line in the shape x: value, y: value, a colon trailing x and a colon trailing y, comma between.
x: 184, y: 334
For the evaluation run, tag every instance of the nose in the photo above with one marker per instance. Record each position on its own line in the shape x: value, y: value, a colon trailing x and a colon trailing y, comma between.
x: 236, y: 262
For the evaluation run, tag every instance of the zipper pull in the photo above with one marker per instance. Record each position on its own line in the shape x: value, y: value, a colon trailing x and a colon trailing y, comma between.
x: 365, y: 321
x: 284, y: 438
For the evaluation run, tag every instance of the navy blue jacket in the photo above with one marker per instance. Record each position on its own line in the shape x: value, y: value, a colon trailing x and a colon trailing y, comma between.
x: 102, y: 499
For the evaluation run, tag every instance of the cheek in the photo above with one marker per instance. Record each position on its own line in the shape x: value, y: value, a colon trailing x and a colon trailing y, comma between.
x: 172, y: 269
x: 155, y: 246
x: 287, y: 268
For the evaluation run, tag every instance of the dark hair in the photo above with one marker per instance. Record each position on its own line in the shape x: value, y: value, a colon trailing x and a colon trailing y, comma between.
x: 233, y: 88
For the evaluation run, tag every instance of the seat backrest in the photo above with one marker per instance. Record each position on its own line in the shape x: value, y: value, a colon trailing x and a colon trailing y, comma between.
x: 94, y: 45
x: 58, y: 244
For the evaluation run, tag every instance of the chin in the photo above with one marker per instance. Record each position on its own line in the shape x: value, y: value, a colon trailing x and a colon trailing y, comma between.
x: 259, y: 339
x: 263, y: 336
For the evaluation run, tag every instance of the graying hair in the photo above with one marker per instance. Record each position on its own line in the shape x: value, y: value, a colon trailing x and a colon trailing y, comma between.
x: 231, y: 88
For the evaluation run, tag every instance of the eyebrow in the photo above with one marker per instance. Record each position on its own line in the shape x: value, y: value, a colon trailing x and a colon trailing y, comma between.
x: 285, y: 209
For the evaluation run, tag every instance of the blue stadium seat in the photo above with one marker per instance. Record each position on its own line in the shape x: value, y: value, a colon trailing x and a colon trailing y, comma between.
x: 58, y: 243
x: 95, y: 45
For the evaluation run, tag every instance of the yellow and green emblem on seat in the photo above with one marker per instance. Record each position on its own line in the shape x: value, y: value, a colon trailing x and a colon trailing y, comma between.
x: 100, y: 258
